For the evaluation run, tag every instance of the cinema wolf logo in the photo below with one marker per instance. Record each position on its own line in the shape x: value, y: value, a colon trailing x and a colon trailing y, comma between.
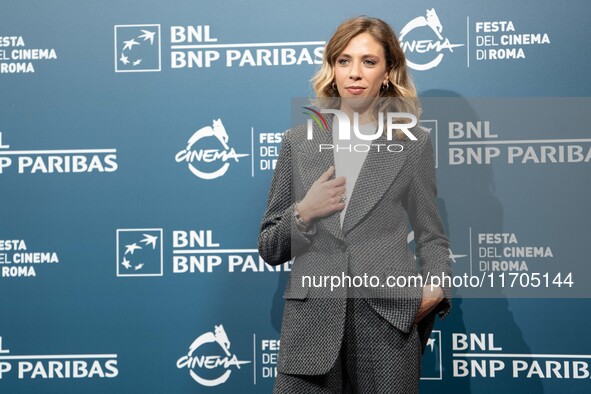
x: 137, y: 48
x: 433, y: 44
x: 207, y: 153
x: 209, y: 360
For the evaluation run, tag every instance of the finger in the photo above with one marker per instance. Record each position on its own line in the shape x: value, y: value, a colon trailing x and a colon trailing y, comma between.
x: 340, y: 190
x: 338, y: 205
x: 327, y: 174
x: 336, y: 202
x: 339, y: 181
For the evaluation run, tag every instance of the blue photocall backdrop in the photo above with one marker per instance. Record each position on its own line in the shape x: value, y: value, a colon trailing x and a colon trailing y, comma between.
x: 137, y: 144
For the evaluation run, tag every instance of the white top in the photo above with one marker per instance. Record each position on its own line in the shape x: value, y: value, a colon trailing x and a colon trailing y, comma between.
x: 347, y: 160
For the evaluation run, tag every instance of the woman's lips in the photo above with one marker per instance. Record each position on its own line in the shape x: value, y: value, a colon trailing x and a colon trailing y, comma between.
x: 355, y: 90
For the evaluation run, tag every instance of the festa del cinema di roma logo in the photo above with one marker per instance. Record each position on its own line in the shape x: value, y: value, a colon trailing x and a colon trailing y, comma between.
x: 200, y: 364
x: 425, y: 46
x: 212, y: 162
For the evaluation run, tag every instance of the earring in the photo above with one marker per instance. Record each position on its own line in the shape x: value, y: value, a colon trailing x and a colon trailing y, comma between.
x: 334, y: 86
x: 386, y: 86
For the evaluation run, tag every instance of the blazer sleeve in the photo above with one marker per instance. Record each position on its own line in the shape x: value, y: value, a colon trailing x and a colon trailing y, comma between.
x: 279, y: 237
x: 432, y: 245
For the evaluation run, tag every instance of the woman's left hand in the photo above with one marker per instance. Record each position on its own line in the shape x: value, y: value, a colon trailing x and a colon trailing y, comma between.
x: 432, y: 296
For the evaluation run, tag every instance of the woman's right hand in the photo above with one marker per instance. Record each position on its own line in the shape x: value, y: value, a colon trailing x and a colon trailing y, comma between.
x: 324, y: 197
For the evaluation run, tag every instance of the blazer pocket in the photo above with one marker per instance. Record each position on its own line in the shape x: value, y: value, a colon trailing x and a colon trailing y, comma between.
x: 295, y: 295
x: 295, y: 291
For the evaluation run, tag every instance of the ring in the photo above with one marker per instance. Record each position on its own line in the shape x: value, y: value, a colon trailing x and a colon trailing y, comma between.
x: 343, y: 197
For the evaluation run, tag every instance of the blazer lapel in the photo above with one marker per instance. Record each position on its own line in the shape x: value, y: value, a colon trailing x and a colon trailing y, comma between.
x: 377, y: 174
x: 379, y: 170
x: 313, y: 162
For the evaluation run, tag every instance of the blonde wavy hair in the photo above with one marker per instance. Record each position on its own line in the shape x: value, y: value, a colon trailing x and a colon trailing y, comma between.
x: 400, y: 84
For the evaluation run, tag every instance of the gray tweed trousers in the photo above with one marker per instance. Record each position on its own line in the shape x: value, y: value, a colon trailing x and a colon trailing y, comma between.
x: 375, y: 358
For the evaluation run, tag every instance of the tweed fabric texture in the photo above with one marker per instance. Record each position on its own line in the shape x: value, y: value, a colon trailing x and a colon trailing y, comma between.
x: 374, y: 358
x: 392, y: 190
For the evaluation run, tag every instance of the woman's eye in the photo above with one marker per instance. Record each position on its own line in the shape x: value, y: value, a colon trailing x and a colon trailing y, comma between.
x: 370, y: 62
x: 343, y: 61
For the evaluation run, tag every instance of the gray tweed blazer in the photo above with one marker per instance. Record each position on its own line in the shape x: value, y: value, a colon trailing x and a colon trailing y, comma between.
x: 392, y: 190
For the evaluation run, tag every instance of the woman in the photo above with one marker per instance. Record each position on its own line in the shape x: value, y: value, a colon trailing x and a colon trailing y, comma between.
x: 353, y: 223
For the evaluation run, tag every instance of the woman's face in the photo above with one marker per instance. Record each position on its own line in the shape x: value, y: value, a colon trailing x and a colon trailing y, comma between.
x: 360, y: 70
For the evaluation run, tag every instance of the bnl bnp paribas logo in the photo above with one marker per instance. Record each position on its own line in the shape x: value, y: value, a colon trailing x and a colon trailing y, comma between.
x: 209, y: 360
x: 137, y: 48
x: 432, y: 362
x: 423, y: 42
x: 139, y: 252
x: 208, y: 154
